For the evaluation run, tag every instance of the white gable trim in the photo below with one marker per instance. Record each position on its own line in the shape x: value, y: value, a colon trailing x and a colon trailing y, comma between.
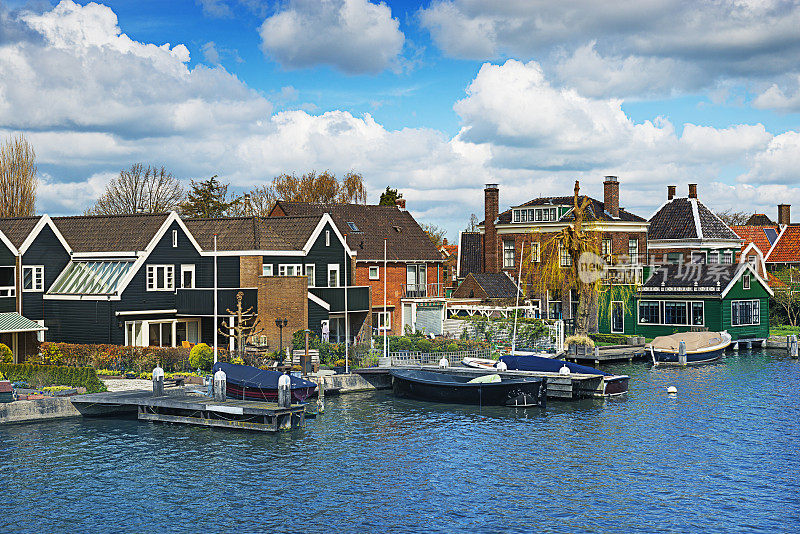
x: 7, y: 242
x: 739, y: 272
x: 43, y: 221
x: 326, y: 218
x: 766, y: 258
x: 318, y: 301
x: 696, y: 214
x: 759, y: 256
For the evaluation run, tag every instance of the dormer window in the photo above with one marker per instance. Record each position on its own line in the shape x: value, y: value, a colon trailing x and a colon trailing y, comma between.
x: 548, y: 214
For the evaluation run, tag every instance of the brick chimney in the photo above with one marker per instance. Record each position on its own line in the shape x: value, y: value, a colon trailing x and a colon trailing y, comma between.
x: 400, y: 202
x: 692, y: 190
x: 491, y: 203
x: 671, y: 190
x: 784, y: 214
x: 611, y: 196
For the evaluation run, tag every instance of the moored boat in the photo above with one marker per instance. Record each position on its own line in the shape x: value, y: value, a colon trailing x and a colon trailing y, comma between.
x: 251, y: 383
x: 455, y: 388
x: 701, y: 347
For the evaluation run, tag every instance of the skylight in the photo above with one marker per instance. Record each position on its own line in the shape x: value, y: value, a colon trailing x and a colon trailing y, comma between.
x: 353, y: 226
x: 91, y: 278
x: 772, y: 235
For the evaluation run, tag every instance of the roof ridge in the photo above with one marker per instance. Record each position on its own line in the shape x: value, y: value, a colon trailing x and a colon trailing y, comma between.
x: 112, y: 215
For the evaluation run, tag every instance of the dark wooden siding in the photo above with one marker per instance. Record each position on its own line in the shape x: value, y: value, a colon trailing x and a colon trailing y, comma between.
x: 82, y: 321
x: 45, y: 250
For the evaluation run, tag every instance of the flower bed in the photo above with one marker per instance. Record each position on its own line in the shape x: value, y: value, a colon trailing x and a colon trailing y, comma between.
x: 53, y: 375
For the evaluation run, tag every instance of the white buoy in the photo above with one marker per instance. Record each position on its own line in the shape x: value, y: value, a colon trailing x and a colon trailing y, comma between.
x: 672, y: 390
x: 564, y: 370
x: 501, y: 366
x: 444, y: 363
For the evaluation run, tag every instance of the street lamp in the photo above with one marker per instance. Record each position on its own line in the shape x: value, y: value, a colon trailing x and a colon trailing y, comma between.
x: 280, y: 323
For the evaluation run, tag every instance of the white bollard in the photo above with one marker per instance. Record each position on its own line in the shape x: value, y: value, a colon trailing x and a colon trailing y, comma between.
x: 444, y: 363
x: 220, y: 385
x: 793, y: 349
x: 284, y: 391
x: 682, y: 353
x: 158, y: 381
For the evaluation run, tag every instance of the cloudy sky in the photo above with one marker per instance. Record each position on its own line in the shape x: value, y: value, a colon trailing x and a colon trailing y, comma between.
x: 434, y: 98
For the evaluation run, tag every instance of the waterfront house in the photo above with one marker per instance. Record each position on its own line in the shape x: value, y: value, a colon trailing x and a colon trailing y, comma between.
x: 414, y: 276
x: 684, y: 230
x: 495, y: 289
x: 622, y: 237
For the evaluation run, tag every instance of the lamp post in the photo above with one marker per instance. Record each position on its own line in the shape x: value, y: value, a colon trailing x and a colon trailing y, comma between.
x: 280, y: 323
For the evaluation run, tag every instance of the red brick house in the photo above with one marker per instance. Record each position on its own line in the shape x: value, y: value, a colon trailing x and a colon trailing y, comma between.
x: 413, y: 271
x: 776, y: 246
x: 500, y: 237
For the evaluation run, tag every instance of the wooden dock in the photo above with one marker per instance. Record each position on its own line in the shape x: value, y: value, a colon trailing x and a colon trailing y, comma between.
x: 185, y: 406
x: 608, y: 354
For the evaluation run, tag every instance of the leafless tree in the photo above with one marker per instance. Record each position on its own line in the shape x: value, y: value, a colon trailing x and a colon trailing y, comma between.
x: 435, y: 234
x: 140, y: 189
x: 733, y: 217
x: 472, y: 225
x: 18, y: 181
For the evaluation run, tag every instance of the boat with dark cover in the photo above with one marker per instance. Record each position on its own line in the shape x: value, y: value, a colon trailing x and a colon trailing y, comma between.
x: 251, y: 383
x: 456, y: 388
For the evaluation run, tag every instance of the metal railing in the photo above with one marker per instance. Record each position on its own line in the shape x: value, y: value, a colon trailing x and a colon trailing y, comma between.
x: 418, y: 359
x: 416, y: 291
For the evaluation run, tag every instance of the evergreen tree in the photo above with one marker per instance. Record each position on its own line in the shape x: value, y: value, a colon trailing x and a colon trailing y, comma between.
x: 208, y: 198
x: 389, y: 197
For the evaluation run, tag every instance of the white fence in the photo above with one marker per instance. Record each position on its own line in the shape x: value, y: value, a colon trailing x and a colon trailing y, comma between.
x: 417, y: 359
x: 503, y: 332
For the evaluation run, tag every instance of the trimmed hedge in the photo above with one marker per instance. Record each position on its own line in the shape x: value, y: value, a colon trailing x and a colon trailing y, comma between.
x: 54, y: 375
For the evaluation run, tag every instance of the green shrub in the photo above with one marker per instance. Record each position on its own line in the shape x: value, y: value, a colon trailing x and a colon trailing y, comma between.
x: 201, y: 357
x: 423, y: 345
x: 54, y: 375
x: 6, y: 356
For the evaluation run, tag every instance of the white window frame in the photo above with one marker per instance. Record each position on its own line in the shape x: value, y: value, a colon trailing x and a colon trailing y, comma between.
x: 509, y: 260
x: 564, y: 259
x: 312, y: 280
x: 713, y: 257
x: 174, y: 239
x: 374, y: 272
x: 633, y: 249
x: 152, y: 277
x: 266, y: 269
x: 188, y: 268
x: 611, y: 317
x: 661, y: 312
x: 607, y: 246
x: 297, y: 267
x: 387, y: 321
x: 755, y: 312
x: 10, y: 291
x: 327, y: 238
x: 727, y: 258
x: 39, y: 333
x: 536, y: 252
x: 38, y: 274
x: 331, y: 268
x: 746, y: 282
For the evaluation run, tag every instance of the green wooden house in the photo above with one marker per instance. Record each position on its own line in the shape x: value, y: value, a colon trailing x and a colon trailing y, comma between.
x: 684, y: 297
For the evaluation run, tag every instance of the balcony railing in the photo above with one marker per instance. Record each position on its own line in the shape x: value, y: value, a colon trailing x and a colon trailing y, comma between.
x: 418, y: 291
x: 625, y: 259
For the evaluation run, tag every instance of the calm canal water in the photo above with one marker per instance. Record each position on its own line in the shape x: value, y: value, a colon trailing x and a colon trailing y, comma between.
x: 721, y: 456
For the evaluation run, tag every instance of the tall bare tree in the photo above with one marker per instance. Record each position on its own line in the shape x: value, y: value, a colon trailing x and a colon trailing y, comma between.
x: 787, y: 293
x: 435, y: 234
x: 18, y: 181
x: 140, y: 189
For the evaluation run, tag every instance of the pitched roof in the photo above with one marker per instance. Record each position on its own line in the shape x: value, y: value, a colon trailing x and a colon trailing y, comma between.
x: 759, y: 219
x: 687, y: 218
x: 17, y: 229
x: 496, y: 285
x: 695, y: 278
x: 406, y: 241
x: 787, y: 247
x: 758, y: 235
x: 253, y: 233
x: 470, y: 252
x: 110, y: 233
x: 595, y: 210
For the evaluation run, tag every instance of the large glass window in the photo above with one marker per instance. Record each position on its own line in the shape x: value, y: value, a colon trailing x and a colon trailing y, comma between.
x: 649, y: 312
x: 381, y: 321
x: 698, y: 317
x: 416, y: 280
x: 745, y: 312
x: 633, y: 250
x: 675, y: 313
x: 160, y: 277
x: 508, y: 253
x: 290, y: 270
x: 33, y: 278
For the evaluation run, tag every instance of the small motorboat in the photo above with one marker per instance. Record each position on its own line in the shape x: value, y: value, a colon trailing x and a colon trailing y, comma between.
x: 612, y: 384
x: 245, y: 382
x: 458, y: 388
x: 701, y: 347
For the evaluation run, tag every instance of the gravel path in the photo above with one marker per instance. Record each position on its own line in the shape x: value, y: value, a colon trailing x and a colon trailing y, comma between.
x: 127, y: 384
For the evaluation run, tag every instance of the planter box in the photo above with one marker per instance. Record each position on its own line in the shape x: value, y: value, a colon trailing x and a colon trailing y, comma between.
x: 580, y: 350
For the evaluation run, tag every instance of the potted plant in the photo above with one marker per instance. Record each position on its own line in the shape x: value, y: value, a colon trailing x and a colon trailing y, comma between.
x: 579, y: 345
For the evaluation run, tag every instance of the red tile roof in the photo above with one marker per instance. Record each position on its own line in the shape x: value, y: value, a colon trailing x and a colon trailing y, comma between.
x: 755, y: 235
x: 787, y: 248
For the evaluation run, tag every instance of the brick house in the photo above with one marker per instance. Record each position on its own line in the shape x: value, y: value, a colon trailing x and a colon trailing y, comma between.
x: 771, y: 246
x: 413, y: 271
x: 623, y: 237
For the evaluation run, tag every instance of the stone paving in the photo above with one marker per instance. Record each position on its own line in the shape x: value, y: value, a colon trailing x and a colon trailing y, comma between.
x: 127, y: 384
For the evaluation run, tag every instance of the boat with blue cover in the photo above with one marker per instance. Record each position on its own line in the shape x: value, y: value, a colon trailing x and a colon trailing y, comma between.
x: 251, y: 383
x: 456, y: 388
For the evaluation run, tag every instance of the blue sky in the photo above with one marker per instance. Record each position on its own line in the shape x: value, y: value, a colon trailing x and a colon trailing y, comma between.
x: 434, y: 98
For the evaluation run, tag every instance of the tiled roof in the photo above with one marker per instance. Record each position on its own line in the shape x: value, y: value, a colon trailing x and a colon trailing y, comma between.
x: 595, y: 210
x: 253, y: 233
x: 759, y: 219
x: 471, y: 254
x: 406, y: 241
x: 496, y: 285
x: 756, y: 235
x: 787, y: 248
x: 16, y: 229
x: 110, y: 233
x: 706, y: 278
x: 676, y: 220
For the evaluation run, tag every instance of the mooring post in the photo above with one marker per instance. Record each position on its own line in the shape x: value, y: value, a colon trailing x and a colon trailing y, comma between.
x: 220, y: 385
x: 158, y: 381
x: 682, y: 353
x: 284, y: 391
x: 793, y: 349
x: 321, y: 395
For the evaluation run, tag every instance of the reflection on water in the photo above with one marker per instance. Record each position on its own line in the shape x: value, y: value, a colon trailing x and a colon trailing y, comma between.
x: 720, y: 456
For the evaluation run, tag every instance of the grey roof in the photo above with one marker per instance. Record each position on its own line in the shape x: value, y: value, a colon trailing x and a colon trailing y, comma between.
x: 496, y: 285
x: 110, y: 233
x: 759, y: 219
x: 676, y: 220
x: 17, y: 229
x: 405, y: 239
x: 595, y: 210
x: 253, y: 233
x: 694, y: 278
x: 470, y: 252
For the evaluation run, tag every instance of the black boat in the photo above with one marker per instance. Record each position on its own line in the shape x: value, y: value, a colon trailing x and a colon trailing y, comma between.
x: 456, y: 388
x: 251, y: 383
